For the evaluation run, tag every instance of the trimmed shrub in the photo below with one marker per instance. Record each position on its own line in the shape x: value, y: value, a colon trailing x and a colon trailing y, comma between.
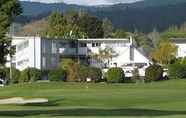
x: 57, y: 75
x: 153, y: 73
x: 115, y: 75
x: 177, y: 71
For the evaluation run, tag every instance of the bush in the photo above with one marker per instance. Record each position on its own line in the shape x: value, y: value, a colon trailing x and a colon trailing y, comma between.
x: 57, y: 75
x: 84, y: 72
x: 177, y: 71
x: 35, y: 74
x: 153, y: 73
x: 24, y: 77
x: 95, y: 74
x: 70, y: 67
x: 115, y: 75
x: 15, y: 75
x: 30, y: 75
x: 3, y: 73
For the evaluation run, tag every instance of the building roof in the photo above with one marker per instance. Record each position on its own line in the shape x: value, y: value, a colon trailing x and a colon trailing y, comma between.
x: 105, y: 39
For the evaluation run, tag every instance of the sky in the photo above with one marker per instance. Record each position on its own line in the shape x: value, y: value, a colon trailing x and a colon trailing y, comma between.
x: 86, y: 2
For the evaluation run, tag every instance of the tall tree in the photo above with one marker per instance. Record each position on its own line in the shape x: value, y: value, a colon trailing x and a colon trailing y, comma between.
x: 8, y: 10
x: 60, y: 26
x: 90, y: 25
x: 164, y: 53
x: 107, y: 28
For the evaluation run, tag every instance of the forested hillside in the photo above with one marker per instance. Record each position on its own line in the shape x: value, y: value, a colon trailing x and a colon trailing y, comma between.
x: 143, y: 16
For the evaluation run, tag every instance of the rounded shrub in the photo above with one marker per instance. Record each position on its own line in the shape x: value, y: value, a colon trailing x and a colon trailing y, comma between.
x: 115, y: 75
x: 154, y: 73
x: 177, y: 71
x: 57, y: 75
x: 84, y: 72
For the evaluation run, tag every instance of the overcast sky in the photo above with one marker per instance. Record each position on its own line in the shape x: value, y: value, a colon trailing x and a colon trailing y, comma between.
x: 86, y: 2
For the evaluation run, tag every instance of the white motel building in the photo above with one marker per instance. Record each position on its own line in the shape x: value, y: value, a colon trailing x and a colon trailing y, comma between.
x: 44, y: 53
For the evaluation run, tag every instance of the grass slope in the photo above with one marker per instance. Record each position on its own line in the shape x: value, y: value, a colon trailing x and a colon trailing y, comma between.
x: 68, y: 100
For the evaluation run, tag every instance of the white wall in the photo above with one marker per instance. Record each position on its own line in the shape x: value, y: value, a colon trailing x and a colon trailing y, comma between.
x: 29, y: 56
x: 181, y: 50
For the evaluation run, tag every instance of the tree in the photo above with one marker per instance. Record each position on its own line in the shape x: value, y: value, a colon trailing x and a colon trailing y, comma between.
x: 59, y: 26
x: 33, y: 28
x: 165, y: 52
x: 107, y: 28
x: 8, y: 10
x: 120, y: 33
x: 91, y: 26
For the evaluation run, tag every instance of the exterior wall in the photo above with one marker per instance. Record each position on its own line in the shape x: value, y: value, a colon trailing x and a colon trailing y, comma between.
x: 49, y: 54
x: 28, y: 52
x: 181, y: 49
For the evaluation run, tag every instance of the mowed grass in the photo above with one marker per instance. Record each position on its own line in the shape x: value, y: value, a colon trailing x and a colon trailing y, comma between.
x: 76, y: 100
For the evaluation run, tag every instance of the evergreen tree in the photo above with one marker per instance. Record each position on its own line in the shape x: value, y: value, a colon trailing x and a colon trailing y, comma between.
x: 8, y: 10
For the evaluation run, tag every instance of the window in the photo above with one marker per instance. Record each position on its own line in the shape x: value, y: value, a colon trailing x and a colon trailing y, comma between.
x: 93, y: 45
x: 54, y: 47
x: 96, y: 44
x: 23, y: 45
x: 72, y: 44
x: 54, y: 61
x: 23, y: 62
x: 44, y: 62
x: 83, y: 45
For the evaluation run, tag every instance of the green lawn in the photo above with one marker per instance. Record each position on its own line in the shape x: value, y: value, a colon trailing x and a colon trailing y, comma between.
x: 68, y: 100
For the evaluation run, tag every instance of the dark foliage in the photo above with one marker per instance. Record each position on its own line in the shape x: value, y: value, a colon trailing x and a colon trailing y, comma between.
x: 154, y: 73
x: 115, y: 75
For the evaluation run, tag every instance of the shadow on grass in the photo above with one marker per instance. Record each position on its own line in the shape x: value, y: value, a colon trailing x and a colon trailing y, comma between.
x: 92, y: 112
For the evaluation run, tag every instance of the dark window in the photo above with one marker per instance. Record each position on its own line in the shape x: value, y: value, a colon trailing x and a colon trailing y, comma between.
x: 93, y: 45
x: 83, y: 45
x: 96, y: 44
x: 72, y: 45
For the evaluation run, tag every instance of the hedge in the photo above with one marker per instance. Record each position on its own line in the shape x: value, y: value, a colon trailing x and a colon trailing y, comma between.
x: 177, y: 71
x: 57, y: 75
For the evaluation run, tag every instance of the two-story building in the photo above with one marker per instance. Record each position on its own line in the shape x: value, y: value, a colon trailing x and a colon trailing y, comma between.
x: 44, y: 53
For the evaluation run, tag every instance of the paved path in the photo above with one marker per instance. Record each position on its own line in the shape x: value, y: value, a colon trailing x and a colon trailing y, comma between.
x: 20, y: 100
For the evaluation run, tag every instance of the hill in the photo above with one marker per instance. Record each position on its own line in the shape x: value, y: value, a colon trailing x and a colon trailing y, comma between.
x: 143, y: 16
